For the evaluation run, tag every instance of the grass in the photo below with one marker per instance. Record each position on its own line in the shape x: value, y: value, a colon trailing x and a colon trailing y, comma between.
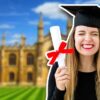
x: 22, y: 93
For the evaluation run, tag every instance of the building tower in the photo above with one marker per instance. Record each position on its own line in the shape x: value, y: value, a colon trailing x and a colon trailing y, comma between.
x: 3, y: 40
x: 3, y: 60
x: 23, y: 40
x: 40, y: 29
x: 21, y: 74
x: 40, y: 53
x: 40, y: 37
x: 69, y: 24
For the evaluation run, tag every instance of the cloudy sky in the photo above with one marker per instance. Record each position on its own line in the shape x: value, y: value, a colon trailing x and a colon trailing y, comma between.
x: 19, y: 17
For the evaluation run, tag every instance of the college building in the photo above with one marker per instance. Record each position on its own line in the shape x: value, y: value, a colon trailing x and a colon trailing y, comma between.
x: 23, y: 64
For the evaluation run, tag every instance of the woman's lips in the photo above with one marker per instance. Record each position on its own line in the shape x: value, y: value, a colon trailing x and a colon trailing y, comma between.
x: 87, y: 46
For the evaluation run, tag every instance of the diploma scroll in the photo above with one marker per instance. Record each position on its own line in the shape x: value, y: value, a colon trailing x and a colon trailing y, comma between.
x: 56, y: 40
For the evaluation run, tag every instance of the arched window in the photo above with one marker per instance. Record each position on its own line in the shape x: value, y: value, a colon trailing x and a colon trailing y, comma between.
x: 12, y: 59
x: 30, y: 59
x: 11, y: 76
x: 29, y: 77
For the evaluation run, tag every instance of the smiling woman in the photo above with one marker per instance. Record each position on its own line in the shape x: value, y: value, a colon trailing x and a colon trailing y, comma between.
x: 80, y: 78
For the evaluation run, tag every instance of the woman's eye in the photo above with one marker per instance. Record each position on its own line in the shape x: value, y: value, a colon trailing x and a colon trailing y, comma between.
x: 95, y: 34
x: 81, y: 34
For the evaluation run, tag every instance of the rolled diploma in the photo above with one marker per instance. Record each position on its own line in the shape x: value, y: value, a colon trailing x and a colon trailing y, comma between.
x: 56, y: 40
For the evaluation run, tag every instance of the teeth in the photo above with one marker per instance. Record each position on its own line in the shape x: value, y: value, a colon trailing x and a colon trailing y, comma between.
x: 87, y: 46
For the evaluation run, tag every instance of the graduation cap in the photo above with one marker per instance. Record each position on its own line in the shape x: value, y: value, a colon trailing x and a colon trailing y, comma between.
x: 87, y: 15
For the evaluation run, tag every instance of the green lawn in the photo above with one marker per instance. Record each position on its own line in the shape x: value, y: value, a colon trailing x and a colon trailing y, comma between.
x: 22, y: 93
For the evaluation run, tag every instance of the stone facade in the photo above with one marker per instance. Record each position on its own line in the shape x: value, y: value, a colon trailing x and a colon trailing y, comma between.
x: 23, y: 64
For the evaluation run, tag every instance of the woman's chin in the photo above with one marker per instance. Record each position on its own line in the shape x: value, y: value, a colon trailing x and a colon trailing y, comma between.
x: 88, y: 53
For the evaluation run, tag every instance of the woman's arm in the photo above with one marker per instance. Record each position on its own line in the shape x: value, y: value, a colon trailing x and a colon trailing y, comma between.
x: 53, y: 92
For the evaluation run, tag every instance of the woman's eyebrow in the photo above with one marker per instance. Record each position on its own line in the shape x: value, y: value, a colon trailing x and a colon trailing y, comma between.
x: 84, y: 31
x: 95, y: 32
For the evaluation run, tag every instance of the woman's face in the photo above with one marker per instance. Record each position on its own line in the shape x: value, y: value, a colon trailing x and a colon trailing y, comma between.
x: 86, y: 40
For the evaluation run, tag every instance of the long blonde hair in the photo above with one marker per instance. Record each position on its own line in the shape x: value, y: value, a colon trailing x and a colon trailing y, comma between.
x: 72, y: 61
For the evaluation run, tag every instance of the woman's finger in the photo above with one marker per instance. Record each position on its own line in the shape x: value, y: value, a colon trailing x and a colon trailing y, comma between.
x: 65, y: 77
x: 62, y: 73
x: 58, y: 70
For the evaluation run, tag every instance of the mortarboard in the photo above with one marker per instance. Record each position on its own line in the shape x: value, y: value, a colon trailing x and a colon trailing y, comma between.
x: 88, y: 15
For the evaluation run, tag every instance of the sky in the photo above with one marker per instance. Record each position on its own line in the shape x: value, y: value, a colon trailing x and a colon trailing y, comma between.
x: 20, y: 17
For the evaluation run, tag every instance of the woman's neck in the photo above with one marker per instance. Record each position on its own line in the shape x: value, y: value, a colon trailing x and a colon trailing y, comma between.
x: 86, y: 64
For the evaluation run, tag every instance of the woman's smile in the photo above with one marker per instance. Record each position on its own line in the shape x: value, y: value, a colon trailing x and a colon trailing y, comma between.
x: 87, y: 46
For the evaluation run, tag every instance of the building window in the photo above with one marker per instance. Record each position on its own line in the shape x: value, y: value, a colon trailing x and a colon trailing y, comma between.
x: 29, y: 77
x: 12, y: 59
x: 30, y: 59
x: 11, y: 76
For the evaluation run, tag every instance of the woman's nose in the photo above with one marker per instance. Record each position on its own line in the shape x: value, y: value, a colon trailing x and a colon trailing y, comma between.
x: 88, y: 38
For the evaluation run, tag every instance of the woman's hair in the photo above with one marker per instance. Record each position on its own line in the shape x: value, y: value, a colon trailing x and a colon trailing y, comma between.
x: 72, y: 61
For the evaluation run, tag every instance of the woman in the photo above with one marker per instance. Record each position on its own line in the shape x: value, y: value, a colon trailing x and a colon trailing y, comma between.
x: 80, y: 79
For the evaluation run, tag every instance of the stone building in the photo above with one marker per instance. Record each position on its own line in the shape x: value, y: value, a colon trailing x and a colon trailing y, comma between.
x: 23, y: 64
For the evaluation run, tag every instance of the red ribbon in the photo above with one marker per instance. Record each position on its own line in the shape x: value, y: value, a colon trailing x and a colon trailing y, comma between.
x: 55, y: 53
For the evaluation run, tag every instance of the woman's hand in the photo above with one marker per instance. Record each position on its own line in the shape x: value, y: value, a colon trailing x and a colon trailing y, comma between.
x: 62, y: 77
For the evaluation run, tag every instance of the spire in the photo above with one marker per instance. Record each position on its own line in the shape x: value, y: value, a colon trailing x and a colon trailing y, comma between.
x: 23, y: 40
x: 40, y: 24
x: 3, y: 39
x: 40, y: 29
x: 69, y: 24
